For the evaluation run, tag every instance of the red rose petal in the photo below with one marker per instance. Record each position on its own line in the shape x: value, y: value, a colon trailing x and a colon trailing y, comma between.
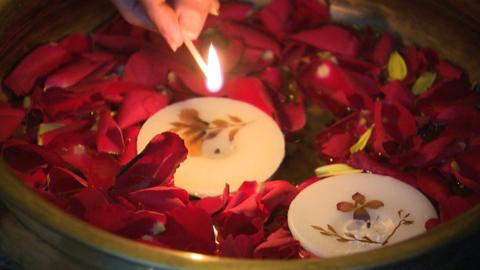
x: 250, y: 90
x: 331, y: 38
x: 139, y: 105
x: 27, y: 158
x: 397, y: 91
x: 144, y: 223
x: 238, y: 224
x: 155, y: 165
x: 240, y: 246
x: 448, y: 70
x: 309, y: 13
x: 73, y: 73
x: 433, y: 185
x: 235, y: 11
x: 146, y: 66
x: 109, y: 135
x: 118, y: 43
x: 382, y: 50
x: 76, y: 43
x: 362, y: 160
x: 336, y: 147
x: 251, y: 36
x: 189, y: 229
x: 276, y: 194
x: 65, y: 126
x: 160, y: 199
x: 453, y: 206
x: 36, y: 64
x: 11, y: 118
x: 279, y: 245
x: 467, y: 169
x: 130, y: 140
x: 275, y: 16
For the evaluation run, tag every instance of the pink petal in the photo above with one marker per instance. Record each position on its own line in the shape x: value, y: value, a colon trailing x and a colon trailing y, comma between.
x: 36, y: 64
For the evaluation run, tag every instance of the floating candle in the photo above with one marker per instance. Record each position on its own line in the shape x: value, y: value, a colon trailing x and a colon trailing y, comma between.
x: 357, y: 212
x: 229, y: 141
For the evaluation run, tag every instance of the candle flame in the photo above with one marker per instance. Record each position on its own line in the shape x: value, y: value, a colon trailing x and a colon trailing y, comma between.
x: 214, y: 71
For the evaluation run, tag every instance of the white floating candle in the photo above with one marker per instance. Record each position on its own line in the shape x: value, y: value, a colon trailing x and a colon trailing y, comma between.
x: 351, y: 213
x: 229, y: 141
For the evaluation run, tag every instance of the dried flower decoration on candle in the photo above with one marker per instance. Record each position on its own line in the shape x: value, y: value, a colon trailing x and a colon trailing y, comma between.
x: 194, y: 130
x: 72, y: 112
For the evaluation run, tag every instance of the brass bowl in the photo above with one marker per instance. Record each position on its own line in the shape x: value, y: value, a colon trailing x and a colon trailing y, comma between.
x: 68, y: 243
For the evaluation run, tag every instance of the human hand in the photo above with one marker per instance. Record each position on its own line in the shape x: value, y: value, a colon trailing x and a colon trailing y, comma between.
x: 185, y: 17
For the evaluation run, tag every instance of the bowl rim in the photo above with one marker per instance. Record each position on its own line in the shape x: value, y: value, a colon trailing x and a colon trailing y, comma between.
x: 81, y: 232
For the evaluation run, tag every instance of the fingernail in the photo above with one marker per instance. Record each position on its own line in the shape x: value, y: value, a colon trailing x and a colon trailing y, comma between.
x: 214, y: 11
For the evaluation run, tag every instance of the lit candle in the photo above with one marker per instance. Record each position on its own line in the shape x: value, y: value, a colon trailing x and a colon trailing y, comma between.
x: 351, y: 213
x: 229, y: 141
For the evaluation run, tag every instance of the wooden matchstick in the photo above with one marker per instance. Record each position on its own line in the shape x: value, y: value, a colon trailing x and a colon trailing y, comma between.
x: 196, y: 54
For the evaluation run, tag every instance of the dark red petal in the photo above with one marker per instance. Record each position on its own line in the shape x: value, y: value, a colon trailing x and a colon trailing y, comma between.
x: 63, y: 181
x: 27, y: 158
x: 467, y: 168
x: 275, y: 16
x: 362, y: 160
x: 250, y: 90
x: 144, y: 223
x: 336, y: 147
x: 453, y: 206
x: 238, y: 224
x: 189, y: 229
x: 331, y: 38
x: 146, y: 66
x: 382, y: 50
x: 65, y: 126
x: 155, y: 165
x: 279, y: 245
x: 251, y: 37
x: 118, y: 43
x: 433, y: 185
x: 76, y: 43
x: 309, y: 13
x: 100, y: 212
x: 213, y: 204
x: 139, y: 105
x: 235, y: 11
x: 397, y: 91
x: 109, y: 135
x: 448, y: 70
x: 11, y: 118
x: 160, y: 199
x: 58, y: 103
x: 445, y: 92
x: 36, y: 64
x: 240, y: 246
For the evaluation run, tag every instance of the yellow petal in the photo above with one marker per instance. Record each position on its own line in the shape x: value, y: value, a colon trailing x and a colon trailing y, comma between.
x: 362, y: 141
x: 397, y: 69
x: 424, y: 82
x: 335, y: 169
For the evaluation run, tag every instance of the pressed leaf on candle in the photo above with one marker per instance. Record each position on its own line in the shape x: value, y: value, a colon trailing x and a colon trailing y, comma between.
x: 397, y: 68
x: 194, y: 130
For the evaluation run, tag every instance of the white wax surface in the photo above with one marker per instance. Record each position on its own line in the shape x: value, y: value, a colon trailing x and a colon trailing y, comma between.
x: 317, y: 205
x: 255, y: 153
